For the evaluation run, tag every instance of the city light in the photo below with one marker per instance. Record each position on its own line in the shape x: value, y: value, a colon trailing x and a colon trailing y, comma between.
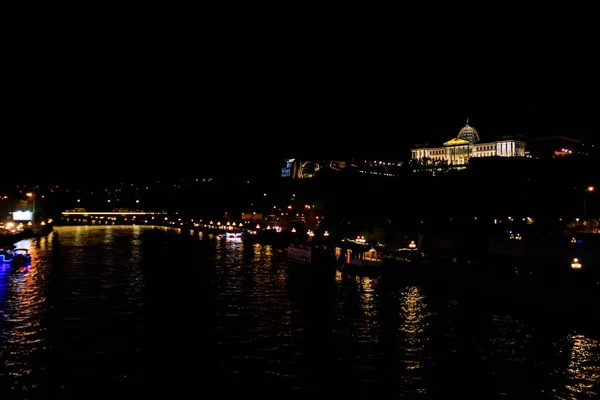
x: 22, y: 216
x: 576, y: 264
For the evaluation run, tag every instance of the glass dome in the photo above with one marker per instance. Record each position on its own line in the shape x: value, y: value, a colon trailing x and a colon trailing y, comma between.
x: 469, y: 133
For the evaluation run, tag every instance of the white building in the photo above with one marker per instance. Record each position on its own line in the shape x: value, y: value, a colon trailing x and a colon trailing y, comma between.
x: 457, y: 151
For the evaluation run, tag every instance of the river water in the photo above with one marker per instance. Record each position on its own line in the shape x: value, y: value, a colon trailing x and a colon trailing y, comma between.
x: 131, y: 311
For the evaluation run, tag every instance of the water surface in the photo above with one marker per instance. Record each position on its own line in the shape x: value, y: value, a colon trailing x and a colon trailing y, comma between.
x: 130, y: 310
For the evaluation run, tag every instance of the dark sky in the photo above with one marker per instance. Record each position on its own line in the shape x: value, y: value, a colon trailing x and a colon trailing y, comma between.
x: 180, y: 100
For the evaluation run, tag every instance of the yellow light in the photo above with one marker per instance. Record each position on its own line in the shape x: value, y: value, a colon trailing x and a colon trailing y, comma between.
x: 591, y: 188
x: 576, y: 264
x: 29, y: 194
x: 84, y: 213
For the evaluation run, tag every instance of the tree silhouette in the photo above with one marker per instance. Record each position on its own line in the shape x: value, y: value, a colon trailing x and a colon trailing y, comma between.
x: 430, y: 165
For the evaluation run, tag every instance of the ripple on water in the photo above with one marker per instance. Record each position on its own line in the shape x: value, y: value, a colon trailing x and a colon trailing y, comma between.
x: 122, y: 308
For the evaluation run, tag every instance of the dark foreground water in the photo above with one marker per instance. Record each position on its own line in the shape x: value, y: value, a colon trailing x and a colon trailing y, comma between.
x: 128, y: 311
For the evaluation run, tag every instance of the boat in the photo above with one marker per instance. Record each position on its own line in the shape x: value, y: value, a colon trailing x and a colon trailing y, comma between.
x: 16, y: 256
x: 6, y: 256
x: 231, y: 235
x: 359, y: 260
x: 21, y: 256
x: 371, y: 258
x: 299, y: 252
x: 309, y: 253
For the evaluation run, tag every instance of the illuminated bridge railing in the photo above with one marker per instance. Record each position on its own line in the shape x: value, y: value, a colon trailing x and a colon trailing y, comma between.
x: 115, y: 213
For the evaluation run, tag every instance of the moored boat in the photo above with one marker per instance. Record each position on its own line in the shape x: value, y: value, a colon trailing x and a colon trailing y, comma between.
x: 15, y: 256
x: 359, y: 260
x: 231, y: 235
x: 6, y: 256
x: 309, y: 253
x: 299, y: 252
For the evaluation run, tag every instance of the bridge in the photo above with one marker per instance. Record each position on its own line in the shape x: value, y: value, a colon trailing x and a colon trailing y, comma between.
x: 105, y: 213
x: 111, y: 217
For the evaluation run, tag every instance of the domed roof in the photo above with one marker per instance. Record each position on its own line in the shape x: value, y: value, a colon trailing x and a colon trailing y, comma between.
x: 468, y: 133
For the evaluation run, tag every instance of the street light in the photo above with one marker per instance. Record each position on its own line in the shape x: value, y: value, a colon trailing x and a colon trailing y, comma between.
x: 589, y: 189
x: 30, y: 194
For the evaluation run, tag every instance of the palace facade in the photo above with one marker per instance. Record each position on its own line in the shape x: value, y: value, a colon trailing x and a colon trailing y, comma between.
x: 459, y: 150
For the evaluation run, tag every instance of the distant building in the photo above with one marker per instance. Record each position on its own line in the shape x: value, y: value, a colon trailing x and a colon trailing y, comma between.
x: 302, y: 169
x: 459, y: 150
x: 252, y: 217
x: 555, y: 146
x: 289, y: 170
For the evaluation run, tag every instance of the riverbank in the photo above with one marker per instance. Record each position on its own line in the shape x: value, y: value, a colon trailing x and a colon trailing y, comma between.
x: 8, y: 240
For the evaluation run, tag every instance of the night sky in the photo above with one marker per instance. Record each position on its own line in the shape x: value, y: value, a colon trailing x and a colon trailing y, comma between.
x: 147, y: 105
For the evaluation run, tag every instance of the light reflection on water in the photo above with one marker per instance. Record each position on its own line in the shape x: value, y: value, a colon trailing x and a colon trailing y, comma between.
x: 413, y: 335
x: 63, y: 317
x: 22, y: 328
x: 582, y: 374
x: 76, y: 318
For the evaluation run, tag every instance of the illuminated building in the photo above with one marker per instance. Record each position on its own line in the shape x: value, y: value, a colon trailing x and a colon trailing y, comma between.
x: 298, y: 169
x: 289, y: 171
x: 467, y: 144
x: 252, y: 217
